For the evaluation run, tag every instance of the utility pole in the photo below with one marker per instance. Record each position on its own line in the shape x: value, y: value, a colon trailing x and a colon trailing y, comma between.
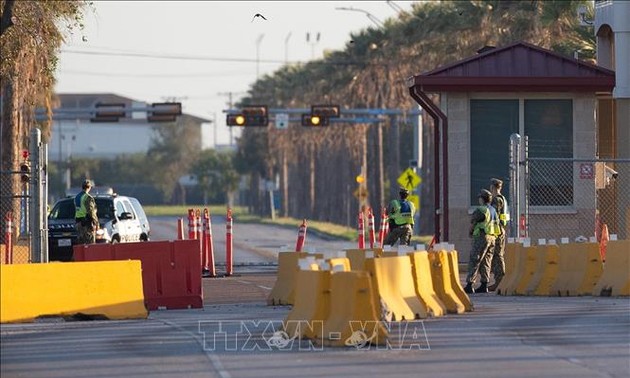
x: 230, y: 105
x: 286, y: 48
x: 258, y: 41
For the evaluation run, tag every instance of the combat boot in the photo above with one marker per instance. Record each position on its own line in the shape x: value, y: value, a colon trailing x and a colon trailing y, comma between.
x: 483, y: 288
x: 495, y: 285
x: 469, y: 289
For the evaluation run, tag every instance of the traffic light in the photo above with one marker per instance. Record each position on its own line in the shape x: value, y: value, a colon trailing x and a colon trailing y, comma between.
x: 25, y: 170
x: 250, y: 116
x: 310, y: 120
x: 164, y: 112
x: 320, y: 115
x: 108, y: 112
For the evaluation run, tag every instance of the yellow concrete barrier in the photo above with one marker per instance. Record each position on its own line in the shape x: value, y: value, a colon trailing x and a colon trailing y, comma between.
x: 283, y: 290
x: 579, y: 269
x: 312, y: 304
x: 339, y: 264
x: 357, y: 256
x: 441, y: 276
x: 353, y: 319
x: 393, y: 281
x: 615, y: 279
x: 514, y: 262
x: 421, y: 272
x: 110, y: 289
x: 456, y: 284
x: 528, y: 269
x: 546, y: 270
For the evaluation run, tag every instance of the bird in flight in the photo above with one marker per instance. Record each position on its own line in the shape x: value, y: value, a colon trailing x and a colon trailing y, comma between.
x: 258, y: 15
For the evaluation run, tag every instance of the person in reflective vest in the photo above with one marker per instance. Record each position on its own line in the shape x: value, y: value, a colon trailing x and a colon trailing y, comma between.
x: 401, y: 213
x: 501, y: 206
x: 483, y: 230
x: 85, y: 215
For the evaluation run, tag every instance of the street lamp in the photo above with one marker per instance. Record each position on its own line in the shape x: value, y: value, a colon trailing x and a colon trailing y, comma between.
x: 286, y: 48
x: 260, y: 38
x: 314, y: 43
x: 369, y: 15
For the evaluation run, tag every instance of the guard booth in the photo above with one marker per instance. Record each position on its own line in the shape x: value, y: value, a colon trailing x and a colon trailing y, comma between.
x: 553, y: 103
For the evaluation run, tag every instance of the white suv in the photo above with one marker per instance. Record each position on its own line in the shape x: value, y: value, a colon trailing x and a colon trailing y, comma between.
x: 119, y: 221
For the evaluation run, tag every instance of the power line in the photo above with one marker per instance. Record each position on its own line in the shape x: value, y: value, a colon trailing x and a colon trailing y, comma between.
x: 171, y: 56
x: 145, y: 75
x: 215, y: 59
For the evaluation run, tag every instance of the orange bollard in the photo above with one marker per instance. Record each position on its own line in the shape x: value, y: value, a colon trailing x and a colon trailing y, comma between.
x: 208, y: 250
x: 198, y: 225
x: 191, y: 224
x: 301, y: 237
x: 8, y: 257
x: 361, y: 232
x: 228, y: 243
x: 370, y: 227
x: 382, y: 229
x: 180, y: 229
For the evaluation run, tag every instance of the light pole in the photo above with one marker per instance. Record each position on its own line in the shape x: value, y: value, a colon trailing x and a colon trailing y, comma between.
x: 314, y: 43
x: 286, y: 48
x: 260, y: 38
x: 369, y: 15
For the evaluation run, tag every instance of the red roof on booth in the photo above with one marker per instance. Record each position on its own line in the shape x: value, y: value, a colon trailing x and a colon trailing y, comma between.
x: 519, y: 67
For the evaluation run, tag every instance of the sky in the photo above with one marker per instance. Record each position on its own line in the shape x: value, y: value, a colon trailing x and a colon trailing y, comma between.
x: 196, y: 52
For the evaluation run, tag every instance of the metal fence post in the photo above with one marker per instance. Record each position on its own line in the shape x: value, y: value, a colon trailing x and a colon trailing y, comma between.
x: 515, y: 183
x: 35, y: 196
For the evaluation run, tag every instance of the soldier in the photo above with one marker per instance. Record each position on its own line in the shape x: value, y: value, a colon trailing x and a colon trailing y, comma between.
x: 401, y: 214
x: 85, y: 215
x: 482, y: 229
x: 500, y: 205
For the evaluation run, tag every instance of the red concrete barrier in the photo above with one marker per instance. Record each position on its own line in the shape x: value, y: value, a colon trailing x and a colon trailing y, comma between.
x: 170, y: 269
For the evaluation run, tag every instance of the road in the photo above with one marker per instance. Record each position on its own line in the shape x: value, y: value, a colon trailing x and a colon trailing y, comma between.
x: 505, y: 336
x: 253, y: 244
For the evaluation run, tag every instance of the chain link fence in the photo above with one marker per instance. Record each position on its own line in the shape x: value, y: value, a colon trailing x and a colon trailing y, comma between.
x: 14, y: 206
x: 577, y: 197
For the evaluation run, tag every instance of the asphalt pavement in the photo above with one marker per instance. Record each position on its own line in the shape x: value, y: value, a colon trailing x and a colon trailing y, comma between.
x: 235, y: 334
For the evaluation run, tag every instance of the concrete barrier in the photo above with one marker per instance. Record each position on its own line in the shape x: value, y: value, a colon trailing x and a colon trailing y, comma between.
x: 283, y: 289
x: 357, y: 256
x: 423, y: 283
x: 171, y: 270
x: 392, y: 278
x: 104, y: 289
x: 615, y: 279
x: 528, y: 270
x: 456, y: 284
x: 514, y: 260
x: 546, y: 271
x: 353, y: 319
x: 312, y: 304
x: 441, y: 276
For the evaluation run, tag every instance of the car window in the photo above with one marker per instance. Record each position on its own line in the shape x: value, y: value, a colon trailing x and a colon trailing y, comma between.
x: 119, y: 208
x: 129, y: 208
x: 63, y: 210
x: 139, y: 210
x: 104, y: 208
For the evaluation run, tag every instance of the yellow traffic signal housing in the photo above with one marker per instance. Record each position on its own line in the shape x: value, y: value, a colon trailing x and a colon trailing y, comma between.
x: 250, y: 116
x: 328, y: 111
x: 310, y: 120
x: 164, y: 112
x: 108, y: 112
x: 25, y: 170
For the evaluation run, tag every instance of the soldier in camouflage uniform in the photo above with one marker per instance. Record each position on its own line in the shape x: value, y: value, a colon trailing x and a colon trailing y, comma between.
x: 500, y: 205
x: 401, y: 213
x: 85, y: 215
x: 484, y: 222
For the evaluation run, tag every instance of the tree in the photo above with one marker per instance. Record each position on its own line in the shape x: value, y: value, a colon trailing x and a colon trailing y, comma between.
x: 31, y: 33
x: 217, y: 176
x: 172, y: 151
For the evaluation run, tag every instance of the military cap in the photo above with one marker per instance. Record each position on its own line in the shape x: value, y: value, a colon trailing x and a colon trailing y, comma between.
x: 496, y: 182
x: 485, y: 194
